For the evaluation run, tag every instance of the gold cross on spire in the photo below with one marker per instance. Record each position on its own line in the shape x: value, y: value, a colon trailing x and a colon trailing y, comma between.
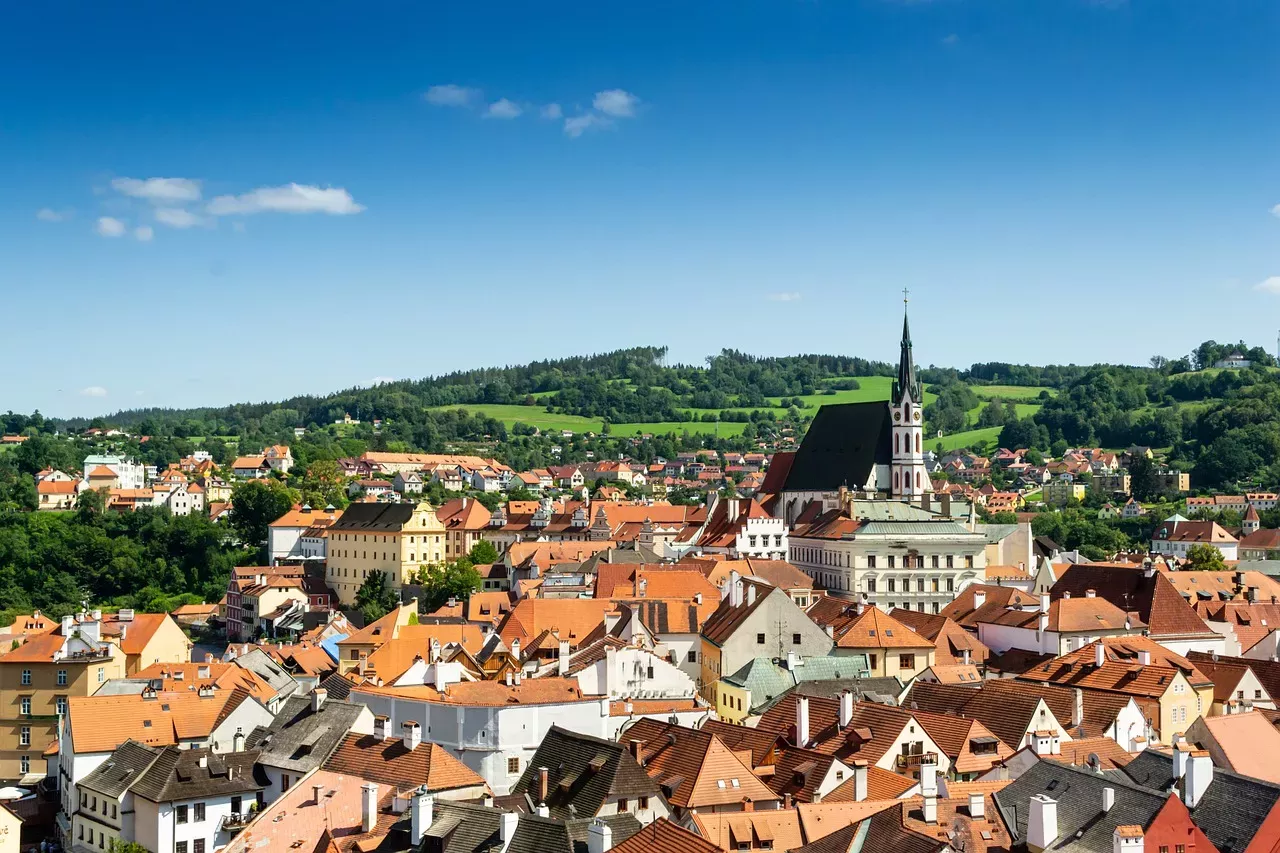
x: 905, y: 296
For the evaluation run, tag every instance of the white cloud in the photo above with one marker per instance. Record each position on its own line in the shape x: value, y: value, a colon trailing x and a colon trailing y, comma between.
x: 109, y: 226
x: 93, y: 391
x: 791, y: 296
x: 951, y: 39
x: 159, y: 190
x: 176, y: 217
x: 451, y: 95
x: 615, y: 102
x: 144, y: 233
x: 1269, y: 285
x: 552, y: 111
x: 577, y: 125
x: 503, y: 108
x: 1275, y: 211
x: 291, y: 198
x: 381, y: 380
x: 48, y: 214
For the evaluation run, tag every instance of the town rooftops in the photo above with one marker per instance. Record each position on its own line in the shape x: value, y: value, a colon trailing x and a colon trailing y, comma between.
x: 693, y: 768
x: 1134, y: 589
x: 299, y: 738
x: 392, y: 762
x: 583, y: 773
x: 842, y: 446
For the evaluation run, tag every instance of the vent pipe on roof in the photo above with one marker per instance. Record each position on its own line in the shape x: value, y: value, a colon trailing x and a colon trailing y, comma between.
x: 368, y: 806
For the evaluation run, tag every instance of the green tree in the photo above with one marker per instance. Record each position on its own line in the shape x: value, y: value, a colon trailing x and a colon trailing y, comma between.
x: 322, y: 485
x: 118, y: 846
x: 1205, y: 558
x: 254, y: 505
x: 375, y: 598
x: 452, y: 580
x: 1144, y: 481
x: 483, y: 553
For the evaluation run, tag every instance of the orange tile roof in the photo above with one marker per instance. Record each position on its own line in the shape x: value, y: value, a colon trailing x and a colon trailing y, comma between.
x: 1249, y: 743
x: 389, y: 762
x: 101, y: 471
x: 392, y: 658
x: 663, y: 836
x: 875, y: 629
x: 532, y: 691
x: 57, y: 487
x: 101, y: 723
x: 881, y: 785
x: 571, y: 618
x: 818, y: 820
x: 1121, y: 671
x: 177, y: 677
x: 695, y: 767
x: 299, y: 517
x: 727, y: 830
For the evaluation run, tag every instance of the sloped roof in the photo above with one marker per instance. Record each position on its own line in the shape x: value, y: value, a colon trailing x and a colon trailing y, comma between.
x: 1155, y: 600
x: 843, y: 444
x: 583, y: 773
x: 694, y: 768
x: 299, y: 739
x: 663, y: 836
x: 390, y: 762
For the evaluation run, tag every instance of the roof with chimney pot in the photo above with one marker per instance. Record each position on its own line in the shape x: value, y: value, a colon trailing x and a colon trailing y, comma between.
x: 392, y: 762
x: 694, y: 768
x: 583, y: 774
x: 778, y: 829
x: 1155, y: 599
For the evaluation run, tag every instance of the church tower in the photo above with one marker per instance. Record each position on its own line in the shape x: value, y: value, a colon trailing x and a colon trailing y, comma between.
x: 908, y: 478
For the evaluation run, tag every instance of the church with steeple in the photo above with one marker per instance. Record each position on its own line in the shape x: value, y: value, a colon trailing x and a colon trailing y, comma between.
x: 867, y: 451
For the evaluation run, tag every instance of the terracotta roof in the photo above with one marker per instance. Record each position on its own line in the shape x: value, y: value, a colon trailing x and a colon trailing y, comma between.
x: 663, y: 836
x: 392, y: 658
x: 573, y: 619
x: 101, y: 471
x: 1121, y: 671
x: 726, y: 618
x: 694, y: 768
x: 299, y: 517
x: 875, y: 629
x: 962, y: 608
x: 1267, y: 671
x: 1066, y: 615
x: 727, y: 831
x: 1201, y: 586
x: 1249, y: 743
x: 818, y: 820
x: 249, y: 462
x: 950, y: 641
x: 102, y: 723
x: 176, y: 677
x: 464, y: 514
x: 390, y: 762
x: 881, y: 785
x: 1078, y: 752
x: 57, y: 487
x: 621, y: 580
x: 1155, y: 600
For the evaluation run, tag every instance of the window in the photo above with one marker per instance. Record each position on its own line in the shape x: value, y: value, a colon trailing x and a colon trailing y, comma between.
x: 649, y: 672
x: 60, y: 704
x: 26, y: 677
x: 113, y: 811
x: 871, y: 661
x: 891, y: 561
x: 62, y: 678
x: 199, y: 812
x: 951, y: 582
x: 513, y: 765
x: 871, y: 562
x: 25, y: 704
x: 1164, y: 848
x: 906, y: 661
x: 759, y: 639
x: 1179, y: 848
x: 933, y: 561
x: 950, y: 561
x: 795, y: 639
x: 693, y: 656
x: 622, y: 805
x: 102, y: 674
x: 893, y: 585
x: 25, y: 764
x: 919, y: 584
x: 180, y: 847
x: 871, y: 584
x: 182, y: 813
x: 24, y: 736
x: 237, y: 805
x: 935, y: 608
x: 642, y: 803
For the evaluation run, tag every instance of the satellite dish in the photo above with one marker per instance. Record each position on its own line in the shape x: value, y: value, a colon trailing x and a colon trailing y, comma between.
x: 1094, y: 761
x: 1215, y: 656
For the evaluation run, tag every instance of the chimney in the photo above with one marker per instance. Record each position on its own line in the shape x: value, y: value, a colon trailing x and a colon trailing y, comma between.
x: 1108, y: 798
x: 1077, y: 710
x: 563, y: 669
x: 859, y: 779
x: 317, y: 699
x: 732, y: 509
x: 1045, y: 743
x: 1044, y: 602
x: 97, y: 615
x: 734, y: 587
x: 544, y: 785
x: 697, y: 598
x: 412, y: 735
x: 637, y: 750
x: 1042, y: 823
x: 846, y: 708
x: 421, y: 814
x: 368, y: 806
x: 208, y: 656
x: 515, y: 648
x: 1128, y: 839
x: 977, y: 806
x: 543, y: 810
x: 1181, y: 755
x: 751, y: 594
x: 930, y: 808
x: 1199, y: 776
x: 860, y: 607
x: 518, y: 677
x: 1099, y: 654
x: 802, y: 721
x: 509, y: 678
x: 929, y: 775
x: 237, y: 741
x: 204, y: 761
x: 599, y: 837
x: 381, y: 728
x: 507, y: 829
x: 1042, y: 621
x: 317, y: 791
x: 979, y: 598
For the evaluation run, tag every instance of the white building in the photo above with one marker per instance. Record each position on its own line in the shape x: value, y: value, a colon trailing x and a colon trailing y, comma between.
x: 1176, y: 536
x: 129, y: 474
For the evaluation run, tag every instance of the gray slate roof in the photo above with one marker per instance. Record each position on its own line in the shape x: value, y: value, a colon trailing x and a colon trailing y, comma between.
x: 124, y: 766
x: 1082, y: 825
x: 177, y: 775
x: 261, y: 663
x: 298, y: 739
x: 583, y: 773
x: 466, y: 828
x: 1230, y: 811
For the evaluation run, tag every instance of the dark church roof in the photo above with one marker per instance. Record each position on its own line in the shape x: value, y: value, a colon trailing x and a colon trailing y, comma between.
x: 843, y: 444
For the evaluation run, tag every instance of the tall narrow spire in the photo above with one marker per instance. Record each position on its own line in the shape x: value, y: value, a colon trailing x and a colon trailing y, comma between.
x: 906, y: 382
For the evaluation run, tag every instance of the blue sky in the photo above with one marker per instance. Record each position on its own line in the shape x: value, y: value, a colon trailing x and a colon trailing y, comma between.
x: 206, y: 203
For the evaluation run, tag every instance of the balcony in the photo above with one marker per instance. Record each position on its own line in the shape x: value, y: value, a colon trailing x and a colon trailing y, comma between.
x: 913, y: 762
x: 232, y: 823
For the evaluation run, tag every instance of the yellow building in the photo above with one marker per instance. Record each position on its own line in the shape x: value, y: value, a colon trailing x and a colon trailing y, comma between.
x: 892, y: 649
x: 1060, y: 490
x: 145, y: 638
x: 733, y: 702
x: 36, y: 680
x: 396, y: 539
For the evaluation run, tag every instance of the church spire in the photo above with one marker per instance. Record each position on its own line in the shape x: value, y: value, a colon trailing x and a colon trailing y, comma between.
x: 906, y: 382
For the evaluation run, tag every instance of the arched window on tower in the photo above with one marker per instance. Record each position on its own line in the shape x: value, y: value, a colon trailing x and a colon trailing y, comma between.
x: 897, y: 443
x: 917, y: 479
x: 895, y: 479
x: 917, y: 442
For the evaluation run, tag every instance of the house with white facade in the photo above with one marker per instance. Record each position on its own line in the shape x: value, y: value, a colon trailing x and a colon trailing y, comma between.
x: 1176, y: 536
x: 129, y: 474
